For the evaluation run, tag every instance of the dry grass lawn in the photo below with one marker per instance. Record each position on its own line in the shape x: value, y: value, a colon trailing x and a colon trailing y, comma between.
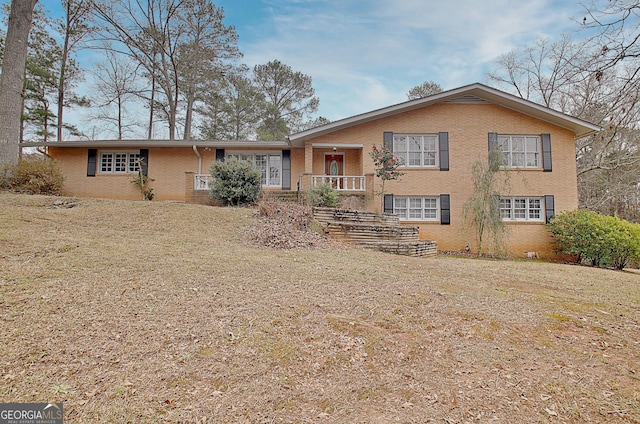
x: 148, y: 312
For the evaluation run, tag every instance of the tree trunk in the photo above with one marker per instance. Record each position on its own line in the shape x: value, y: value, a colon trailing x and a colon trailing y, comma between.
x: 188, y: 118
x: 62, y: 81
x: 12, y: 79
x: 152, y: 103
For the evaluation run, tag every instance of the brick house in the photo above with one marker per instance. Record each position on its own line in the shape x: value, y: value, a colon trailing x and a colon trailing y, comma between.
x: 439, y: 138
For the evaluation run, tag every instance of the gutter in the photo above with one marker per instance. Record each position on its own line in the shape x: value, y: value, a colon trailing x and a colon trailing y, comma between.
x: 195, y: 150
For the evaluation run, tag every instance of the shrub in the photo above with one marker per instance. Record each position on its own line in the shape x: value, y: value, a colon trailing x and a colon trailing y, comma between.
x: 33, y: 176
x: 323, y: 195
x: 235, y: 182
x: 597, y: 239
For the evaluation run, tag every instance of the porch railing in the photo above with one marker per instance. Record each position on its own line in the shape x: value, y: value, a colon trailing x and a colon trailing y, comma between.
x: 202, y: 181
x: 342, y: 182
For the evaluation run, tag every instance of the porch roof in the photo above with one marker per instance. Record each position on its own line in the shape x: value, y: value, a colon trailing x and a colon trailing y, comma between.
x: 473, y: 93
x: 223, y: 144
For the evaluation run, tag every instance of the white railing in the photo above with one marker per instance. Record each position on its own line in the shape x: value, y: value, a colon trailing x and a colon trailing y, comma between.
x: 341, y: 182
x: 202, y: 181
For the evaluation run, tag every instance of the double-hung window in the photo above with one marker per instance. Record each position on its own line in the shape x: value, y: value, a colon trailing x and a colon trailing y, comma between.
x: 119, y: 162
x: 416, y: 150
x: 416, y: 208
x: 520, y: 151
x: 521, y: 209
x: 269, y: 164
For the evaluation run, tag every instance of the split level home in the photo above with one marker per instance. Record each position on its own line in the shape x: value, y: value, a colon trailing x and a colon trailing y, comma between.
x: 438, y: 139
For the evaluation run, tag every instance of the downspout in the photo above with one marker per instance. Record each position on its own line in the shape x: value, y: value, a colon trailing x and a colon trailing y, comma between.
x: 195, y: 150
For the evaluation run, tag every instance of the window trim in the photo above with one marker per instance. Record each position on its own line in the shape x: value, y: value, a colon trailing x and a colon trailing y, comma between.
x: 127, y: 162
x: 269, y: 154
x: 422, y: 218
x: 508, y: 156
x: 527, y: 209
x: 436, y: 151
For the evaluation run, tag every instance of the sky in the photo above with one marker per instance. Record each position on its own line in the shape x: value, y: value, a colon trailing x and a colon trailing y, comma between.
x: 367, y: 54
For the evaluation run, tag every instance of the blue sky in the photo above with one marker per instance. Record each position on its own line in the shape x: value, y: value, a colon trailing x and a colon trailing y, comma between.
x: 367, y: 54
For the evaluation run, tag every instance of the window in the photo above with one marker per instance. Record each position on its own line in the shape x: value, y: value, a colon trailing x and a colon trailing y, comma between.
x: 416, y: 150
x: 119, y: 162
x: 521, y: 209
x: 416, y: 208
x: 520, y: 151
x: 269, y: 164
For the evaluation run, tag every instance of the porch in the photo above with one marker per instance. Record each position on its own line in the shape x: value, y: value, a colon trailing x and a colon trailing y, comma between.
x: 342, y: 166
x: 354, y: 191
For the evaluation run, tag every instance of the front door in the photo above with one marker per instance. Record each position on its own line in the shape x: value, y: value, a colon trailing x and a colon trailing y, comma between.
x: 334, y: 166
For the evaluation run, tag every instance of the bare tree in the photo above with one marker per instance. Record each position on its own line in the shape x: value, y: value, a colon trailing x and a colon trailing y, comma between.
x: 11, y: 80
x: 560, y: 75
x: 543, y: 72
x: 116, y: 87
x: 617, y: 39
x: 181, y: 44
x: 73, y: 28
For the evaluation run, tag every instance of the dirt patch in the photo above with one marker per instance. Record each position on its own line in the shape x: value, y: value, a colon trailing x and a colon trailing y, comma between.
x: 153, y: 312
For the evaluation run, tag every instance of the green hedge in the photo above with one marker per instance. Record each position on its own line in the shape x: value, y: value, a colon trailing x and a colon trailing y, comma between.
x: 600, y: 240
x: 235, y: 182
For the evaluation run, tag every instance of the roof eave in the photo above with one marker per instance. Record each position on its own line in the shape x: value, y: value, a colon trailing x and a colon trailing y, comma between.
x: 579, y: 127
x: 160, y: 143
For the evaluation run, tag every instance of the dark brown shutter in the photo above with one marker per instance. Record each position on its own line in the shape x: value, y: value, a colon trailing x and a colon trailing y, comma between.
x: 286, y: 169
x: 546, y: 152
x: 387, y: 140
x: 445, y: 209
x: 144, y: 158
x: 549, y: 208
x: 443, y: 139
x: 91, y: 162
x: 388, y: 203
x: 493, y: 141
x: 220, y: 154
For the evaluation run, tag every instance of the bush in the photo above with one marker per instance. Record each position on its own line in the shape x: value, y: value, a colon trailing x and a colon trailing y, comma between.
x: 323, y: 195
x: 33, y: 176
x: 235, y: 182
x: 600, y: 240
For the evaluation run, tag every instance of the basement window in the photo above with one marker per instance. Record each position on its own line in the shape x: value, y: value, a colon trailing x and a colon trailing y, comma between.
x: 521, y: 209
x: 416, y: 208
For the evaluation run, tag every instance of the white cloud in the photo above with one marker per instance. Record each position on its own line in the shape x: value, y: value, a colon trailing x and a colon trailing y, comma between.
x: 364, y: 55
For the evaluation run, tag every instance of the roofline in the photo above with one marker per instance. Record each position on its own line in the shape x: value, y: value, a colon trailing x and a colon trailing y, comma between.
x: 578, y: 126
x: 159, y: 143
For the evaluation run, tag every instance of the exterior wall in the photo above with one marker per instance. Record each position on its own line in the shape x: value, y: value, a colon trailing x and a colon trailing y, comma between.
x: 166, y: 167
x: 468, y: 126
x: 352, y: 160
